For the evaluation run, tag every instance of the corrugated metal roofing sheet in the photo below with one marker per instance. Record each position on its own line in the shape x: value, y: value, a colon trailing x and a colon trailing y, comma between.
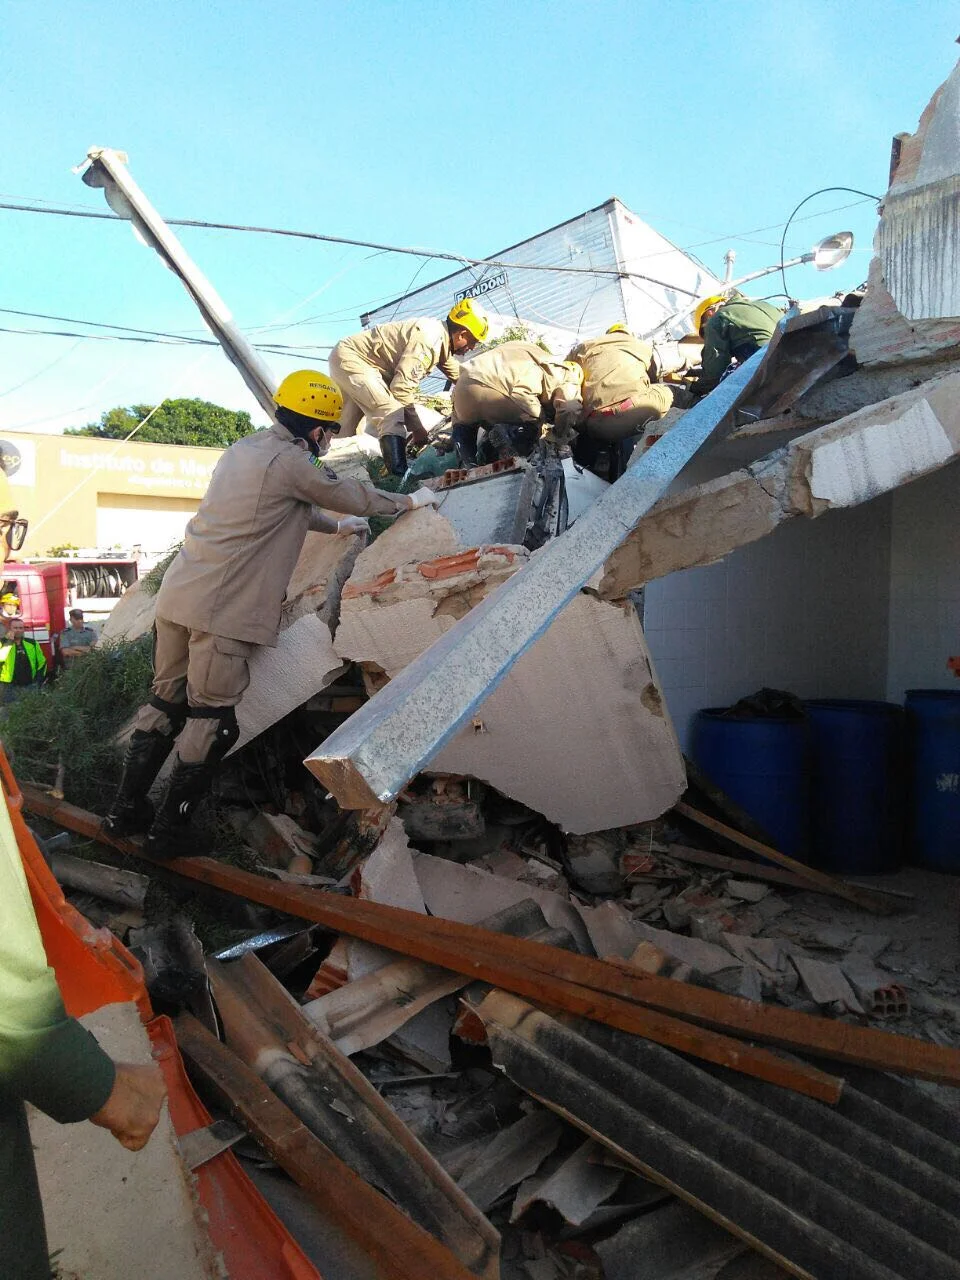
x: 866, y: 1190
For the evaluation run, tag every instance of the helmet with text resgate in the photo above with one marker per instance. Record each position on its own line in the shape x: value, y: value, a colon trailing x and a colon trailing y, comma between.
x: 472, y: 318
x: 311, y: 393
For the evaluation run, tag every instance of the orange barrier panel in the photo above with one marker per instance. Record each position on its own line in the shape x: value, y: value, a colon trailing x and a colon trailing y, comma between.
x: 93, y: 969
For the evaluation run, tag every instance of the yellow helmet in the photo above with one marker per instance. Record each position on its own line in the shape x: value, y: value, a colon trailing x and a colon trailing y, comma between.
x: 311, y: 393
x: 704, y: 305
x: 472, y: 318
x: 618, y: 328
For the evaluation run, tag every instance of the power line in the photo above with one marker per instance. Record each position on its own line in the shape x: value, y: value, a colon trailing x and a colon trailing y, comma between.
x: 40, y: 372
x: 159, y: 339
x: 614, y: 272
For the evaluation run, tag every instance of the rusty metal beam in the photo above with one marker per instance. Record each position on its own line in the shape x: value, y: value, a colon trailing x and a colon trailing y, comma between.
x: 475, y: 953
x: 398, y: 1248
x: 604, y: 990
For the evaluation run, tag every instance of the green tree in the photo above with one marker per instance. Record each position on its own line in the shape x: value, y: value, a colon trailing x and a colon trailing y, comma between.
x: 192, y: 422
x: 519, y: 332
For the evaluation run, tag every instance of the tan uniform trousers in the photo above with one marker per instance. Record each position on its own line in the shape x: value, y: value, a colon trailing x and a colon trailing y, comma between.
x: 630, y: 416
x: 198, y: 668
x: 365, y: 395
x: 476, y: 402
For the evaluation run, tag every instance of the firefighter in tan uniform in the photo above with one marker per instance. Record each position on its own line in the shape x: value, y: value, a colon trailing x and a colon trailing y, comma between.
x: 619, y: 398
x: 516, y: 382
x: 222, y: 596
x: 380, y: 370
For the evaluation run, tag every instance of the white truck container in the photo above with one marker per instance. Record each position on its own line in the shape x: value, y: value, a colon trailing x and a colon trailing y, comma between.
x: 603, y: 267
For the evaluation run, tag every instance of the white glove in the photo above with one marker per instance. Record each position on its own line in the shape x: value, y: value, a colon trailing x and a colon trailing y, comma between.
x: 353, y: 524
x: 423, y: 498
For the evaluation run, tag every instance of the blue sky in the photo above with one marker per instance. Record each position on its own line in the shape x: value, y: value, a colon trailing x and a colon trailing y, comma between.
x: 455, y: 127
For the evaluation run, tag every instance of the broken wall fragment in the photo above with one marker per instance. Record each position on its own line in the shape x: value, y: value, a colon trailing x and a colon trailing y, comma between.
x: 576, y: 731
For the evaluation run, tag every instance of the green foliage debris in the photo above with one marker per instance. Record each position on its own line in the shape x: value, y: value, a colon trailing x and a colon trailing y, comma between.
x: 74, y: 721
x: 150, y: 582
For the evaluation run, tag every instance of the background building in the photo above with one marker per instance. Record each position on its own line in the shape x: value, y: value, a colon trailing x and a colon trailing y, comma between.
x: 93, y: 493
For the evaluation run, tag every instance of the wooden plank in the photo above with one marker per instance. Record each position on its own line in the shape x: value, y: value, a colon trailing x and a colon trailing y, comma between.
x: 739, y: 867
x: 579, y: 984
x: 772, y: 875
x: 399, y: 1249
x: 114, y: 884
x: 864, y: 898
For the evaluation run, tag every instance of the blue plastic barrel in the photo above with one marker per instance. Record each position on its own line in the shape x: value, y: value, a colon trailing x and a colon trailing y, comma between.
x: 933, y: 719
x: 761, y: 763
x: 857, y: 784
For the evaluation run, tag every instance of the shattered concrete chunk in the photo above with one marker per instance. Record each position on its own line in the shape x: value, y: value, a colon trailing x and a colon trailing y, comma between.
x: 626, y: 767
x: 514, y: 1154
x: 704, y: 957
x: 826, y: 984
x: 839, y: 465
x: 574, y: 1189
x: 594, y: 861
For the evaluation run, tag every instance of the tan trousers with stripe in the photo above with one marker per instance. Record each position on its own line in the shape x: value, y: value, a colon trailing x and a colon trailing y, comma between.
x: 200, y: 669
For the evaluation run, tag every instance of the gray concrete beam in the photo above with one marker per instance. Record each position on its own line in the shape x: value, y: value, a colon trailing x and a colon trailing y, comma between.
x: 382, y: 746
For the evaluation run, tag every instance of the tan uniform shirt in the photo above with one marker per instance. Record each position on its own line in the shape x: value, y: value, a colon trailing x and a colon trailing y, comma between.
x: 241, y: 547
x: 404, y: 351
x: 615, y: 368
x: 525, y: 374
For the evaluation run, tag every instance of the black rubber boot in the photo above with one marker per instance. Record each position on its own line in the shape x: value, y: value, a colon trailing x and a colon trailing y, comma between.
x: 464, y: 436
x: 168, y: 837
x: 131, y: 812
x: 394, y: 451
x: 586, y: 450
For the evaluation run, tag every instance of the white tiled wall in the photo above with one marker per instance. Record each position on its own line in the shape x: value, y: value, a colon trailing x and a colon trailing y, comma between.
x: 804, y: 610
x: 925, y: 584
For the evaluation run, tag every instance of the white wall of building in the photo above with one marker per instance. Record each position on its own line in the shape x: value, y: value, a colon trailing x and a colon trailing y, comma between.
x: 806, y: 610
x: 154, y: 524
x: 925, y: 584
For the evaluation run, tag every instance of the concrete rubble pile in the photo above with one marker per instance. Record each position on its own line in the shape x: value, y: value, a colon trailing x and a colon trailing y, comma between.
x: 542, y: 1001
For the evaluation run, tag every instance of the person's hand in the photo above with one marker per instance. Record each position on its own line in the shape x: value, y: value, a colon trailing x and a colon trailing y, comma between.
x: 415, y: 428
x: 133, y: 1108
x: 353, y: 524
x: 423, y: 498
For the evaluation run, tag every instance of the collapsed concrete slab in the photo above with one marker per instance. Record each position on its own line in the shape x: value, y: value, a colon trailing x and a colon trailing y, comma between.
x: 919, y: 235
x: 840, y: 465
x: 304, y: 661
x: 381, y: 747
x: 577, y: 731
x: 132, y: 616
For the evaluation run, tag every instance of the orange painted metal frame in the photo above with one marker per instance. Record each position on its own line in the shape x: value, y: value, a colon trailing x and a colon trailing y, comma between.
x: 93, y: 969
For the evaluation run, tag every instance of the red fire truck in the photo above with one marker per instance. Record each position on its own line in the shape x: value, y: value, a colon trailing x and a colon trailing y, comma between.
x: 48, y: 589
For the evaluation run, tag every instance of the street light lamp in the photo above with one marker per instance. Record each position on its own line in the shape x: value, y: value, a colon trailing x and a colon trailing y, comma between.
x: 829, y: 253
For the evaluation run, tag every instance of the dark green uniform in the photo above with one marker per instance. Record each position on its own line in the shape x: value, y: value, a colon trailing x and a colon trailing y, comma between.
x: 46, y: 1059
x: 735, y: 331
